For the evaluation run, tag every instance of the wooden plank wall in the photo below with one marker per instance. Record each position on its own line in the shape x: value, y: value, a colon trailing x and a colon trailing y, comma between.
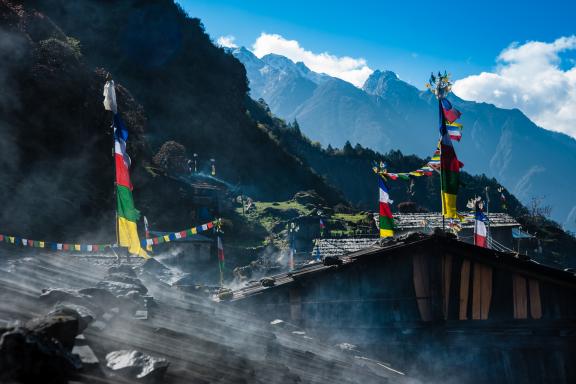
x: 446, y: 283
x: 464, y: 289
x: 526, y: 293
x: 421, y: 276
x: 482, y: 294
x: 475, y: 291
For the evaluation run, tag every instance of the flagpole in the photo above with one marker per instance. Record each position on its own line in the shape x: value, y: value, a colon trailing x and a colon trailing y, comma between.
x: 115, y: 198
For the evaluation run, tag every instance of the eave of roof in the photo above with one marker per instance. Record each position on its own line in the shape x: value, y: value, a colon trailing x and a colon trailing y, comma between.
x: 484, y: 255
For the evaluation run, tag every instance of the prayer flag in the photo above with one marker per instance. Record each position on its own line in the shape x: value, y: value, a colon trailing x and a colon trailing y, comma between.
x: 147, y: 234
x: 454, y: 130
x: 449, y: 171
x: 386, y: 219
x: 450, y: 113
x: 480, y: 231
x: 110, y: 97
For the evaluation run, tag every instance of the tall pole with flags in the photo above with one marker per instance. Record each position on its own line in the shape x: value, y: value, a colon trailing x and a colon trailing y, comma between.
x: 127, y: 215
x: 449, y: 164
x: 292, y: 229
x: 385, y: 217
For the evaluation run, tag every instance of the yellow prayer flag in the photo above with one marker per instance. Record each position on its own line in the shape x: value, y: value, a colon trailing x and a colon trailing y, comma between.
x: 128, y: 237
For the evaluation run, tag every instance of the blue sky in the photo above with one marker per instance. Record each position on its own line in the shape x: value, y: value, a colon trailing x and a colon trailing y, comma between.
x: 514, y: 54
x: 403, y: 36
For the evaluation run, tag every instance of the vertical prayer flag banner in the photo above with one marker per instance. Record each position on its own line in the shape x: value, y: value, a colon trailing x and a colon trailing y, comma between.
x: 127, y: 213
x: 449, y: 130
x: 480, y: 232
x: 386, y: 219
x: 449, y: 168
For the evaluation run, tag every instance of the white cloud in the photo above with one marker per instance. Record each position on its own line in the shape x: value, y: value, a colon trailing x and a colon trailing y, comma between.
x: 227, y: 41
x: 529, y: 77
x: 352, y: 70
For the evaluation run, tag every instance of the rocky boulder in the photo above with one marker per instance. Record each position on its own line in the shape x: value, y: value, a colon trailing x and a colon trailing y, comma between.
x: 137, y: 365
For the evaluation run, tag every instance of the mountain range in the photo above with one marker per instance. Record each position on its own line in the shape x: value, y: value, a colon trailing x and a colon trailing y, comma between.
x: 388, y: 113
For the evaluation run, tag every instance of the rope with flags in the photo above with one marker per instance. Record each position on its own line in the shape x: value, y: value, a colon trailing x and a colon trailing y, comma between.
x: 92, y: 248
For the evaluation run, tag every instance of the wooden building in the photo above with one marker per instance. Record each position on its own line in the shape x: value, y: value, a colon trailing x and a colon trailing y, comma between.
x: 444, y: 310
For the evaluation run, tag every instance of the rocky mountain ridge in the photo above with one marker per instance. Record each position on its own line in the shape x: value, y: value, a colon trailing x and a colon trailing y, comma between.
x: 389, y: 114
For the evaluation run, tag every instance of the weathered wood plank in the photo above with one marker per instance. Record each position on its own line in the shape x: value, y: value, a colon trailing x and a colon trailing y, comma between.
x: 446, y: 279
x: 486, y: 294
x: 482, y: 291
x: 422, y: 286
x: 476, y: 291
x: 535, y: 302
x: 464, y: 289
x: 520, y: 297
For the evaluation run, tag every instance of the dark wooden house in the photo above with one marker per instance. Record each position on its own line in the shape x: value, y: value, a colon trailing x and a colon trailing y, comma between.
x: 445, y: 310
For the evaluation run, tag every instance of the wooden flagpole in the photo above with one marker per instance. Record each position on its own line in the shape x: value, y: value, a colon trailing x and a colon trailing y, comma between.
x: 112, y: 126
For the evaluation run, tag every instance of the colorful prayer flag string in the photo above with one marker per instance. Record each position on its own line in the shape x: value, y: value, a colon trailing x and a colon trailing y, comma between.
x: 93, y: 248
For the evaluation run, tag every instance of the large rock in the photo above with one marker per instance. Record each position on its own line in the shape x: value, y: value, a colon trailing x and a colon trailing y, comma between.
x: 84, y: 315
x: 122, y: 268
x: 101, y: 297
x: 136, y: 365
x: 62, y: 325
x: 30, y: 357
x: 84, y: 304
x: 118, y: 288
x: 55, y: 295
x: 127, y: 279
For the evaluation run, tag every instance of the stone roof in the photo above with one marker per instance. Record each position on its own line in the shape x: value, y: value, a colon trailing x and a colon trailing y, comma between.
x: 336, y: 247
x: 413, y: 221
